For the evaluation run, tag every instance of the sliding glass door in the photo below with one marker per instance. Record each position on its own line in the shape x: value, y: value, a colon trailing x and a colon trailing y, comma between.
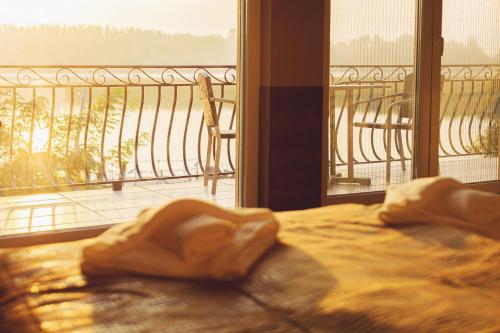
x: 381, y: 131
x: 372, y: 94
x: 470, y: 98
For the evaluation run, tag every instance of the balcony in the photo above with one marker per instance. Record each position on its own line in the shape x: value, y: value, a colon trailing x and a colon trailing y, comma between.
x: 93, y: 145
x: 468, y: 125
x: 80, y: 131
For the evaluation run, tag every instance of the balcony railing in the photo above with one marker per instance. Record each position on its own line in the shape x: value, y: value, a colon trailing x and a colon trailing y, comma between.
x: 83, y: 125
x: 88, y: 125
x: 470, y: 106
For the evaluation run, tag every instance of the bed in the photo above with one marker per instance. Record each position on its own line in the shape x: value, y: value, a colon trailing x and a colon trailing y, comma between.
x: 336, y: 269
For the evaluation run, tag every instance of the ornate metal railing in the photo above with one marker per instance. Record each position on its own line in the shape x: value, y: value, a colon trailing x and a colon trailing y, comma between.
x: 470, y: 105
x: 81, y: 125
x: 84, y: 125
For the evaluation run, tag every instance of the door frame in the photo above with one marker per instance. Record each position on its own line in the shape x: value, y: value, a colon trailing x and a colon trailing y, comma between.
x: 247, y: 170
x: 429, y: 50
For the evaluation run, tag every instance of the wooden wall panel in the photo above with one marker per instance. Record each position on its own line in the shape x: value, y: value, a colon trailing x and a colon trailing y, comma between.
x: 292, y: 103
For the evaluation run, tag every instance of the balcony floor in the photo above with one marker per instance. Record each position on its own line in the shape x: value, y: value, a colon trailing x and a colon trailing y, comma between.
x: 467, y: 169
x: 43, y: 213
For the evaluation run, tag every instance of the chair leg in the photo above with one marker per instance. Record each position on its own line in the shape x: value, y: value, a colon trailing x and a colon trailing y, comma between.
x: 401, y: 149
x: 207, y: 161
x: 389, y: 157
x: 218, y: 141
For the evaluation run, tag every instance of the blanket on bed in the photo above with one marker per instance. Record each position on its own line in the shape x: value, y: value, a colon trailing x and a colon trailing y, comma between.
x: 338, y: 269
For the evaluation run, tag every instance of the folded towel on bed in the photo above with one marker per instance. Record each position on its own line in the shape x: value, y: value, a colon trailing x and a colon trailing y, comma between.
x: 442, y: 200
x: 184, y: 239
x: 197, y: 239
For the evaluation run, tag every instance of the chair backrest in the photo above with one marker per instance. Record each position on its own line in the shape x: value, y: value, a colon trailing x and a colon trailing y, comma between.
x: 407, y: 109
x: 206, y: 93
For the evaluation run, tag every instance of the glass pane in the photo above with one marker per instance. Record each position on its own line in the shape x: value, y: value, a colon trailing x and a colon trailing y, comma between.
x: 101, y: 110
x: 470, y: 98
x: 371, y: 94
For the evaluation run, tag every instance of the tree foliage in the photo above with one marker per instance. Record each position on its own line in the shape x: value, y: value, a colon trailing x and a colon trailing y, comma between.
x: 40, y: 146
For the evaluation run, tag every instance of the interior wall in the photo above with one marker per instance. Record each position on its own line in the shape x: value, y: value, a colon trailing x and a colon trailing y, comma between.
x: 293, y: 66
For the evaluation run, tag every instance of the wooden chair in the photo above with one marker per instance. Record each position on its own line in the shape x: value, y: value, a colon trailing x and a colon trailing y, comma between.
x: 402, y: 102
x: 212, y: 121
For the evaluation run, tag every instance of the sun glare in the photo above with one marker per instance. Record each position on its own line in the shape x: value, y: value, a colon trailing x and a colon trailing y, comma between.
x: 40, y: 139
x: 197, y: 17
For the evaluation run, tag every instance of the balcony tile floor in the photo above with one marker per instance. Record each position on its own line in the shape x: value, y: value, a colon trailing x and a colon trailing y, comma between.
x: 87, y: 208
x: 42, y: 213
x: 467, y: 169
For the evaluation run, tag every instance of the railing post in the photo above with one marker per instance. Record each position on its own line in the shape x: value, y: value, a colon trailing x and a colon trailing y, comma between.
x: 117, y: 185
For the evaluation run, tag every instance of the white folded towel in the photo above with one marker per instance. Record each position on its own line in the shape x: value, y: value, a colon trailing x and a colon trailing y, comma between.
x: 445, y: 201
x: 184, y: 239
x: 198, y: 238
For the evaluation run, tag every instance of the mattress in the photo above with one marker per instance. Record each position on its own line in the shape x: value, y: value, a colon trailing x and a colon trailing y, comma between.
x: 336, y: 269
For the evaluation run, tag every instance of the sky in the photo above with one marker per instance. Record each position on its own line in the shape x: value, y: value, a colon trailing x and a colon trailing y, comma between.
x: 389, y: 19
x: 462, y: 20
x: 479, y: 19
x: 198, y: 17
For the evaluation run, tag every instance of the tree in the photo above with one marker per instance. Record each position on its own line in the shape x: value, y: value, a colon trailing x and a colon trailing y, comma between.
x: 64, y: 158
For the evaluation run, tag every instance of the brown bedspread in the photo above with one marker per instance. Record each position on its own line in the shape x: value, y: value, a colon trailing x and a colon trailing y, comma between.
x: 339, y: 269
